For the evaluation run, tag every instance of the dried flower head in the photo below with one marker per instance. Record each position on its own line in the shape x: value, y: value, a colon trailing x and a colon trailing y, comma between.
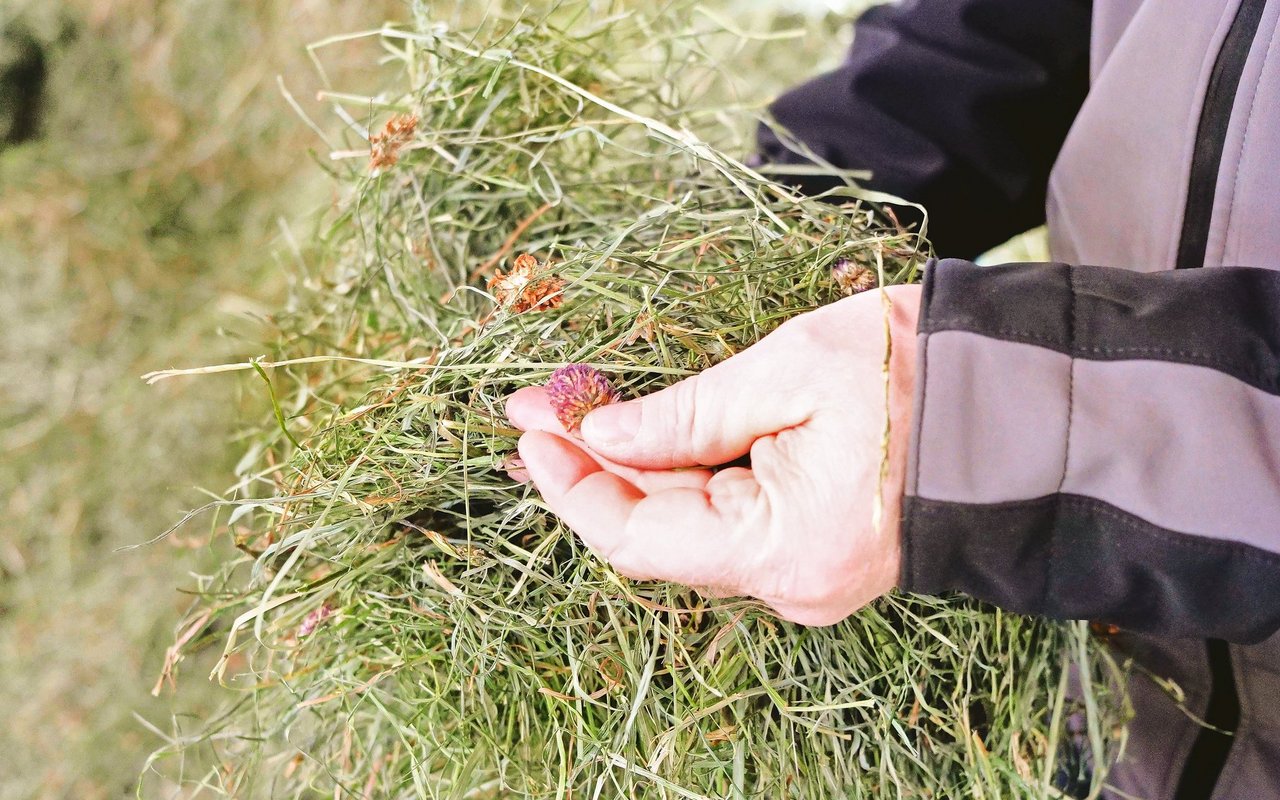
x: 526, y: 288
x: 643, y: 328
x: 314, y: 619
x: 577, y: 389
x: 852, y: 278
x: 384, y: 148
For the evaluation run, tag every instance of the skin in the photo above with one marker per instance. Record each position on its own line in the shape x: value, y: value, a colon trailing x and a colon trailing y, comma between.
x: 797, y: 529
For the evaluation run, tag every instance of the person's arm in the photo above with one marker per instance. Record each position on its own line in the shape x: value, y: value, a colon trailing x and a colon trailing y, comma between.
x: 960, y: 105
x: 1088, y: 442
x: 1100, y: 443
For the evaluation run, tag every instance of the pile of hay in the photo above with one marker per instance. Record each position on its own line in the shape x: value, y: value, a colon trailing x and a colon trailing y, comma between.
x: 409, y: 621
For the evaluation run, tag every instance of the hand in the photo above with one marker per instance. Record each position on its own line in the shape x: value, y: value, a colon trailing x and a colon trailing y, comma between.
x: 795, y: 530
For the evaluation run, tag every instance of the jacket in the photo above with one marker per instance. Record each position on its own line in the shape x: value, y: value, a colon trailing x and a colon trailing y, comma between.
x: 1098, y: 437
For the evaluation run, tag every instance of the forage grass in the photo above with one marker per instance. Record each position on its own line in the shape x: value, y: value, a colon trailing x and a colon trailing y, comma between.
x: 408, y: 621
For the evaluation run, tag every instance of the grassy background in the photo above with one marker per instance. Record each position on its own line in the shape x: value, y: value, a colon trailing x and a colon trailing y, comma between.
x: 134, y: 233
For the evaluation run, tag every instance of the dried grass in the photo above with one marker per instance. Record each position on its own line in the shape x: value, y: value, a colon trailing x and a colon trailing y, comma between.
x: 407, y: 621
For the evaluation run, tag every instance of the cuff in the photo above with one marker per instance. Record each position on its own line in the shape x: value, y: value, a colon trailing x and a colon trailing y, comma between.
x: 989, y: 435
x: 1098, y: 443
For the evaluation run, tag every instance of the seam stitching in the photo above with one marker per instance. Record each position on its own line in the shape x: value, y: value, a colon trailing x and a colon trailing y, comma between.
x: 1066, y: 454
x: 908, y: 523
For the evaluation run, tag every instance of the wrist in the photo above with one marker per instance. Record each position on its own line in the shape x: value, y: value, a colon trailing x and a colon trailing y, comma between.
x: 903, y: 312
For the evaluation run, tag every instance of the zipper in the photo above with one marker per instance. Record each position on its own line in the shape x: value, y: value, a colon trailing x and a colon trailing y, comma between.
x: 1209, y: 754
x: 1211, y: 133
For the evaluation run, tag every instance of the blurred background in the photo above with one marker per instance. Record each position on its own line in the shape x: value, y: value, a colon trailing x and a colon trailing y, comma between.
x: 149, y: 164
x: 147, y: 161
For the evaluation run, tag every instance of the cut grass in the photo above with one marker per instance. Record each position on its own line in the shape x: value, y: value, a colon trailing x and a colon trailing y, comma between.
x: 406, y: 620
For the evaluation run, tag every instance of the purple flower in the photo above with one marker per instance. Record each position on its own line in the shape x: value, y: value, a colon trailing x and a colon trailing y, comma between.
x: 576, y: 389
x: 314, y: 619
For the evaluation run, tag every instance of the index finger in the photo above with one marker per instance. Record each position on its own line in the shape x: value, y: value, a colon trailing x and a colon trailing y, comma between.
x: 530, y: 409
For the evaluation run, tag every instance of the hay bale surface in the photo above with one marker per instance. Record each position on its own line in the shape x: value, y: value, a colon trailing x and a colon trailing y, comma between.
x: 408, y: 621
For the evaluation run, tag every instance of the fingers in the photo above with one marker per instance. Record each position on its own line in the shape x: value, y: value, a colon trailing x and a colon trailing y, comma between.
x: 593, y: 502
x: 530, y: 409
x: 708, y: 419
x: 714, y: 539
x: 687, y: 535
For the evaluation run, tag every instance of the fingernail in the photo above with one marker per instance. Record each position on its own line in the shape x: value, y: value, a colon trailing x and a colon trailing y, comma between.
x: 617, y: 423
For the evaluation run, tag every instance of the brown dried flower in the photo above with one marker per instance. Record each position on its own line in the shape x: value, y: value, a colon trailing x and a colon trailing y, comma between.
x: 852, y: 278
x: 384, y: 148
x: 643, y: 328
x: 524, y: 288
x: 577, y: 389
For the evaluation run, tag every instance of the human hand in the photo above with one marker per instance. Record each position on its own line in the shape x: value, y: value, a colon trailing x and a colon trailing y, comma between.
x: 797, y: 529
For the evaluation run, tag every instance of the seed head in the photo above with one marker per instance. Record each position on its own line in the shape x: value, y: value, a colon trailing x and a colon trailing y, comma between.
x: 852, y: 278
x: 577, y: 389
x: 525, y: 288
x: 384, y: 148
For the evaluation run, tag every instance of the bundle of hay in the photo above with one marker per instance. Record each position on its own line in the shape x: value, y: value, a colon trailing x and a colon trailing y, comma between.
x: 407, y: 620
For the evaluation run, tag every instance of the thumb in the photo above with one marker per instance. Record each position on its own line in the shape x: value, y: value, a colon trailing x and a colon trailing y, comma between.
x: 708, y: 419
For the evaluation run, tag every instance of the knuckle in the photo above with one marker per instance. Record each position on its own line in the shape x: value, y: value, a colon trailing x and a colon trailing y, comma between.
x: 696, y: 434
x: 737, y: 498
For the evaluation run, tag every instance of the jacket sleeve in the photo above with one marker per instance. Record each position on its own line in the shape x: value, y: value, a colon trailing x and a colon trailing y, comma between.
x: 1100, y: 443
x: 960, y: 105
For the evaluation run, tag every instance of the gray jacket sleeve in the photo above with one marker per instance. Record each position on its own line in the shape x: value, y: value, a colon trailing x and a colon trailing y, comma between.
x: 1100, y: 443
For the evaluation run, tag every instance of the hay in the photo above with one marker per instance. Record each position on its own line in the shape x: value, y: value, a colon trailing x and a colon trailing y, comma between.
x: 408, y: 621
